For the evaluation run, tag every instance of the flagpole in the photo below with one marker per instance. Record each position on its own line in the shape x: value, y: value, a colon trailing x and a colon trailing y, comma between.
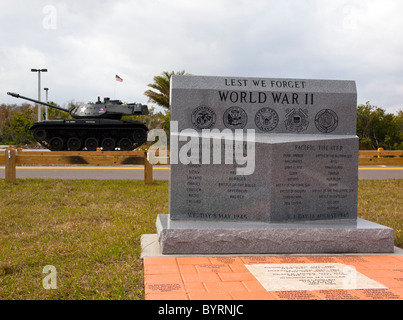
x: 114, y: 92
x: 117, y: 78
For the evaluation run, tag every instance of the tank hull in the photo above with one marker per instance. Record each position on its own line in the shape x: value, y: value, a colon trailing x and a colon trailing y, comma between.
x: 89, y: 134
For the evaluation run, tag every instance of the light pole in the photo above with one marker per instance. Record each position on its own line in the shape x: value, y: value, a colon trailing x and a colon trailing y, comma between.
x: 39, y: 88
x: 47, y: 101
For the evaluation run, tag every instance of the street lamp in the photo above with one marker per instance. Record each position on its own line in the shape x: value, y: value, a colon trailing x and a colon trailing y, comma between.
x: 39, y: 88
x: 47, y: 101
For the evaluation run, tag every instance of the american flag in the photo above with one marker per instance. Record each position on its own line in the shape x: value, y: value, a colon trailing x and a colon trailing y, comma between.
x: 119, y: 78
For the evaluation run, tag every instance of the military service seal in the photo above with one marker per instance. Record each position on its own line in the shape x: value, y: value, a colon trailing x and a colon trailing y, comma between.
x: 296, y: 120
x: 266, y: 119
x: 326, y: 121
x: 203, y: 117
x: 235, y: 118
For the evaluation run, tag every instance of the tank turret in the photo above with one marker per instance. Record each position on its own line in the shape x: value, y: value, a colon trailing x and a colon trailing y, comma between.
x: 108, y: 109
x: 92, y: 125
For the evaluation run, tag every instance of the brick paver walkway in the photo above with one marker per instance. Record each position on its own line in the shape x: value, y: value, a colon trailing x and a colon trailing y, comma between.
x: 228, y: 278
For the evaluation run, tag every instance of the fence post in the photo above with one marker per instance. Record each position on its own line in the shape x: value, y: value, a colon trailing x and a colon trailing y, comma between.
x: 380, y: 150
x: 148, y: 170
x: 10, y: 167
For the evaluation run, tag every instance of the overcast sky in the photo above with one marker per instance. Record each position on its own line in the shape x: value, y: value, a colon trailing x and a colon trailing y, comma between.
x: 83, y: 44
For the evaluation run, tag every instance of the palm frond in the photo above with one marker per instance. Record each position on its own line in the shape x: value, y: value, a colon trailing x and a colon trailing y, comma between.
x: 159, y: 92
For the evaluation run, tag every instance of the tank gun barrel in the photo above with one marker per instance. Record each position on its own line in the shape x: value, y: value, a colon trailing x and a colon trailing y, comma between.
x: 16, y: 95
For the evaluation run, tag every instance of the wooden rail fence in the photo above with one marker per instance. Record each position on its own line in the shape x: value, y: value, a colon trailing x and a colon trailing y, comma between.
x: 380, y: 157
x: 13, y: 158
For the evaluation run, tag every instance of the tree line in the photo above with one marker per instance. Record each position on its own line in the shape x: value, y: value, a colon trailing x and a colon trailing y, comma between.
x: 375, y: 127
x: 378, y: 129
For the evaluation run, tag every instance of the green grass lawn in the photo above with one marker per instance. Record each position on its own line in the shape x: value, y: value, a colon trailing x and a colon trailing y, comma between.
x: 382, y: 202
x: 90, y: 232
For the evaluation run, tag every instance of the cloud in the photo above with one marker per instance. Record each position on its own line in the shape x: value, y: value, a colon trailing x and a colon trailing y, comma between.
x: 93, y: 40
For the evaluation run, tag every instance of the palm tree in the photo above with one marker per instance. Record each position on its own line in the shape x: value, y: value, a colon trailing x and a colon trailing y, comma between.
x: 161, y: 86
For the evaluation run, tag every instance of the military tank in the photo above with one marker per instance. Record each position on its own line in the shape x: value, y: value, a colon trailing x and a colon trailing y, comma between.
x: 93, y: 125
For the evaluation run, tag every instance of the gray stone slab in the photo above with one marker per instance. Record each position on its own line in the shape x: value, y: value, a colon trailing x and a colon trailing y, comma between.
x: 295, y: 178
x: 320, y: 106
x: 150, y: 247
x: 206, y: 237
x: 300, y: 165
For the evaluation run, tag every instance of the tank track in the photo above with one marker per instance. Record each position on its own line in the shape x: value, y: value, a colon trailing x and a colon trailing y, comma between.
x: 128, y: 136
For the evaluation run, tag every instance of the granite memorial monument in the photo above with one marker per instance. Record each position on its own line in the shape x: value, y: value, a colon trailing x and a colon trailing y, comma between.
x: 265, y: 166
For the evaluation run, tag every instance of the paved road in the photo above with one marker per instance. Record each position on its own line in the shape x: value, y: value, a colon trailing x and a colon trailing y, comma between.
x: 159, y: 172
x: 380, y: 173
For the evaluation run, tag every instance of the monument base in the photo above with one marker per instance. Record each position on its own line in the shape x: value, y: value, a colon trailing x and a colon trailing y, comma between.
x: 216, y: 237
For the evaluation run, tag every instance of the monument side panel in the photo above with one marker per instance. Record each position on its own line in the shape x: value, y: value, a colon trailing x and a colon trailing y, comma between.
x: 215, y: 191
x: 315, y: 180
